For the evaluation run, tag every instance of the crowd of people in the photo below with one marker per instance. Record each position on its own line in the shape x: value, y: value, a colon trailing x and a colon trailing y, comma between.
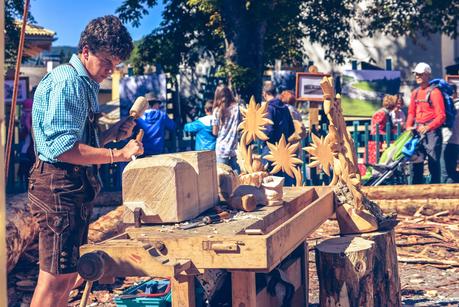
x: 218, y: 129
x: 427, y: 115
x: 439, y: 145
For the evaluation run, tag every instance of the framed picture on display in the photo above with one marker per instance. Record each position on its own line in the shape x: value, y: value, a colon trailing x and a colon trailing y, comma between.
x: 453, y: 79
x: 23, y: 87
x: 308, y: 86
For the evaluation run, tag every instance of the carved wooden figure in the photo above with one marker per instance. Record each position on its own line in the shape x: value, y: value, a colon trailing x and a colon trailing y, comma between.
x: 282, y: 154
x: 355, y: 213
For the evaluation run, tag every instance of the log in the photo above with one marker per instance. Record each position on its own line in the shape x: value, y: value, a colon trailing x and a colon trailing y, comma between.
x: 409, y: 205
x: 107, y: 226
x: 421, y: 191
x: 170, y: 188
x: 359, y: 270
x: 21, y: 228
x: 22, y: 231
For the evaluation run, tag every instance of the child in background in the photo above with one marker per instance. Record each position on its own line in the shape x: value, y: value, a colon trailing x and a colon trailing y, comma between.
x: 397, y: 115
x: 226, y: 120
x: 202, y: 127
x: 381, y: 117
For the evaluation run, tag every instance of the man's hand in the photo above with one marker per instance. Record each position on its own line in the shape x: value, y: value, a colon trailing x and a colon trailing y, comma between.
x: 125, y: 130
x: 133, y: 148
x: 423, y: 129
x: 120, y: 131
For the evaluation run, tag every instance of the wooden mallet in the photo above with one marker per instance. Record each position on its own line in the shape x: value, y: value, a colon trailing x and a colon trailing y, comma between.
x: 138, y: 108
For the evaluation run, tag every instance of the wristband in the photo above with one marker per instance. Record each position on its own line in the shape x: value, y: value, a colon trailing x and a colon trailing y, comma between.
x: 112, y: 157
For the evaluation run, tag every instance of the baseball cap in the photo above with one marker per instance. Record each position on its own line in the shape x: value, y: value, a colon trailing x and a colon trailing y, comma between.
x: 422, y: 68
x: 152, y: 97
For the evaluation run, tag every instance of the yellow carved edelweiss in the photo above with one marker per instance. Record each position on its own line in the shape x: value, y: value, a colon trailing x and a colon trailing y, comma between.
x: 254, y: 122
x: 321, y: 153
x: 283, y: 157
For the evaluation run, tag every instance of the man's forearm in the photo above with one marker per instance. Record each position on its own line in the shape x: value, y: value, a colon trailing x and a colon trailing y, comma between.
x: 82, y: 154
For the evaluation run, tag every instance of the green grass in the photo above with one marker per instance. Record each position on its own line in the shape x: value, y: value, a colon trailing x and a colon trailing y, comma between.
x: 358, y: 107
x: 363, y: 85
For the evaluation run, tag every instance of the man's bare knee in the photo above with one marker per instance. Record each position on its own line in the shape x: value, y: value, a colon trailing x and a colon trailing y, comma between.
x: 52, y: 288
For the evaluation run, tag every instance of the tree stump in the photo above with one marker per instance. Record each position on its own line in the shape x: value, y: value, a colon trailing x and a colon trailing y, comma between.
x: 359, y: 270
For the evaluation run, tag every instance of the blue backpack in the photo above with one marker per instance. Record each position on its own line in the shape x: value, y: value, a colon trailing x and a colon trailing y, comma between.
x: 446, y: 91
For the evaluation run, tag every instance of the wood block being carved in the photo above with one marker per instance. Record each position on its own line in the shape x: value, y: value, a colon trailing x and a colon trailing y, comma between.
x: 204, y: 163
x: 170, y: 188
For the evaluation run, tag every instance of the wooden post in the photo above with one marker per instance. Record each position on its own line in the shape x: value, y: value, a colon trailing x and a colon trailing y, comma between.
x: 359, y: 270
x: 244, y: 291
x: 313, y: 113
x: 305, y: 272
x: 3, y: 293
x: 182, y: 287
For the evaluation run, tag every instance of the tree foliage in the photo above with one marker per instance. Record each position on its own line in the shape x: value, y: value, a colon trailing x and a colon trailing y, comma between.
x: 412, y: 18
x: 182, y: 36
x: 13, y: 11
x: 247, y: 35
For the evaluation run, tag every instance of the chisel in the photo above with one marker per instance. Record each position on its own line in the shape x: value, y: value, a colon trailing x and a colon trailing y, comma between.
x: 206, y: 220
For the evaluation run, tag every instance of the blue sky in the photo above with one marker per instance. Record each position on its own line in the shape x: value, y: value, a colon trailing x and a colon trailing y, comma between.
x: 68, y: 18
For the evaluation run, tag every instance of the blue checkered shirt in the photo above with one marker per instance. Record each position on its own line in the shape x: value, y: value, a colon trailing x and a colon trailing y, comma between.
x: 60, y: 109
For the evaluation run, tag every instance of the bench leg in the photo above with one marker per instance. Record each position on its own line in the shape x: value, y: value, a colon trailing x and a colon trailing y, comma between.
x: 182, y: 287
x: 244, y: 291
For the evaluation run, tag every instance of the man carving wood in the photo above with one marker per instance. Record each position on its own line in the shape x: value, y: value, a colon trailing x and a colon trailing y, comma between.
x: 64, y: 178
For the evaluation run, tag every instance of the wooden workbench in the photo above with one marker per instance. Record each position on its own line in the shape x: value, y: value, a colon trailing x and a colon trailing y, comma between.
x: 167, y: 251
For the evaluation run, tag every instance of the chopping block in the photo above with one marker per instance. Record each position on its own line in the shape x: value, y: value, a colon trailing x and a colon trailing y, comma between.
x: 169, y: 188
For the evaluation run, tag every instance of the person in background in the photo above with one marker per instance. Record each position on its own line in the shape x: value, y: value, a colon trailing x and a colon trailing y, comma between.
x: 426, y: 116
x: 154, y: 122
x: 64, y: 179
x: 226, y: 117
x: 279, y: 114
x: 451, y: 151
x: 288, y: 98
x: 380, y: 118
x: 26, y: 154
x: 397, y: 115
x: 205, y: 140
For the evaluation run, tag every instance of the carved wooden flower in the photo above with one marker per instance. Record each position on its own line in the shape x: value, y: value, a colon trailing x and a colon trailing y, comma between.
x: 254, y: 122
x: 283, y: 156
x: 321, y: 153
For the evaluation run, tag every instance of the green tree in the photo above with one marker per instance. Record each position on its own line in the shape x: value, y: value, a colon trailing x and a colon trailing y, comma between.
x: 234, y: 31
x: 13, y: 11
x: 247, y: 35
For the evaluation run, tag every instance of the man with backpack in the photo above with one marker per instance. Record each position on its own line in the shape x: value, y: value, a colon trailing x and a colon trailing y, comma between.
x: 426, y: 114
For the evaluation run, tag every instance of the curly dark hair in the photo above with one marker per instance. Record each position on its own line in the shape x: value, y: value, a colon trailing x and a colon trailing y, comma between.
x: 107, y: 34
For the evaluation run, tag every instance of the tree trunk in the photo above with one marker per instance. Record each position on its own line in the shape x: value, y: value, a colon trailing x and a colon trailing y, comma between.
x: 359, y: 271
x: 244, y: 31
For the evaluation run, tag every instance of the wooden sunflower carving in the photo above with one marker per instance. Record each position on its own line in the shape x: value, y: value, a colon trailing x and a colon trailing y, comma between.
x: 283, y: 157
x: 254, y: 122
x: 321, y: 153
